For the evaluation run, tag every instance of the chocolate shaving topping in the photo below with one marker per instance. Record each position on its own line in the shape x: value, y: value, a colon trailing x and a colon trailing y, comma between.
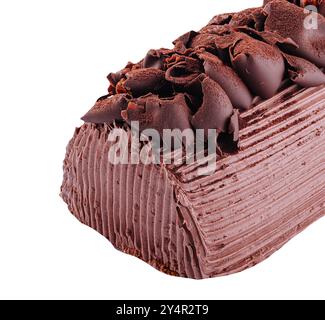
x: 210, y: 76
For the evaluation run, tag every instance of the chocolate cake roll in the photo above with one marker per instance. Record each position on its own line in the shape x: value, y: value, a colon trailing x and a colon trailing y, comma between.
x: 254, y: 77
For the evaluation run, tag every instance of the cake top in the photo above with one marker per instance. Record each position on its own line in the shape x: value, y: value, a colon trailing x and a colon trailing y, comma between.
x: 210, y: 76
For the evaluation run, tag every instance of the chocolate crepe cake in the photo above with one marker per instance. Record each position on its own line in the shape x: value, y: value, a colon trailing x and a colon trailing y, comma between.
x: 256, y: 77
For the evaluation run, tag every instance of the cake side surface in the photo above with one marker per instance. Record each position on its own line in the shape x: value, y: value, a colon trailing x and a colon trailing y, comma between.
x: 200, y: 227
x: 136, y: 207
x: 272, y: 189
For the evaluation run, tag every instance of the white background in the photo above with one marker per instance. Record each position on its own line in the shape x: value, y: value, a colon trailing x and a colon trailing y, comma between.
x: 54, y: 58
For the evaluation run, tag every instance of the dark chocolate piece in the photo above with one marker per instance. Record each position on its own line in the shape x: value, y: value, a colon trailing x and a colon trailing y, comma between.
x: 183, y: 70
x: 153, y: 112
x: 154, y: 59
x: 228, y: 79
x: 107, y: 109
x: 259, y: 64
x: 304, y: 72
x: 216, y: 109
x: 183, y: 42
x: 115, y: 77
x: 143, y: 81
x: 271, y: 38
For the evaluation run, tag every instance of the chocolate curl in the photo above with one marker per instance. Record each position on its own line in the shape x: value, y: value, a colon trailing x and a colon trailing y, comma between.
x: 300, y: 71
x: 107, y: 109
x: 228, y: 79
x: 303, y: 72
x: 259, y: 64
x: 153, y: 112
x: 289, y: 21
x: 154, y: 59
x: 115, y: 77
x: 143, y: 81
x: 193, y: 92
x: 183, y: 42
x: 216, y: 109
x: 183, y: 70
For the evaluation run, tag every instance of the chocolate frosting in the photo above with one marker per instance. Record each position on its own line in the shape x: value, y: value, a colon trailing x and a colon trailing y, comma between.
x: 223, y: 67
